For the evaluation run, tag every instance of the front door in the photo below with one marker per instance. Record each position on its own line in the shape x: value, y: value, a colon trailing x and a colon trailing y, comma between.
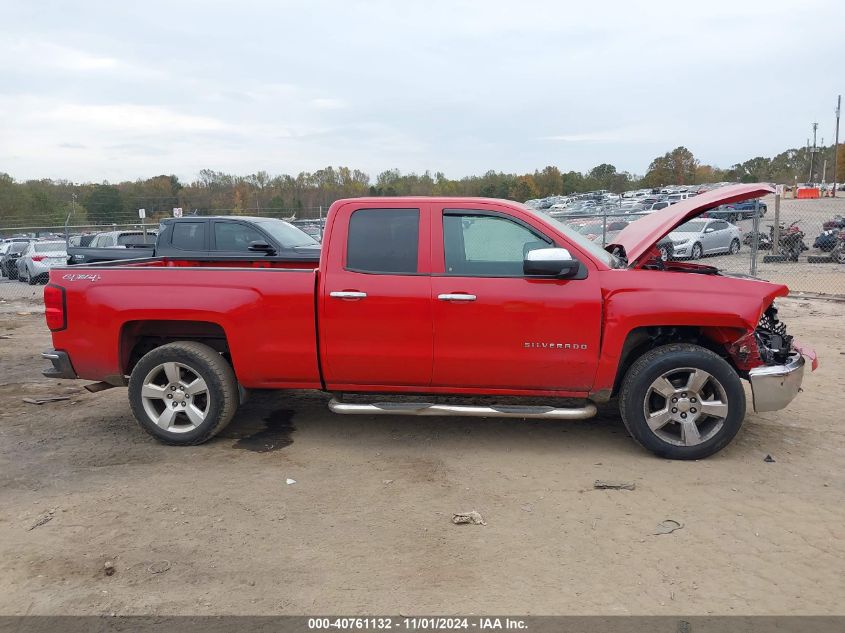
x: 375, y: 317
x: 495, y: 328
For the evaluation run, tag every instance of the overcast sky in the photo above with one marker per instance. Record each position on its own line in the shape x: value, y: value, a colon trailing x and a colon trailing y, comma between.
x: 93, y: 91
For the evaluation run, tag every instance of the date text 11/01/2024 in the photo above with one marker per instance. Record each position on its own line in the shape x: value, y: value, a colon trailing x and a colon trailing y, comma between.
x: 416, y: 623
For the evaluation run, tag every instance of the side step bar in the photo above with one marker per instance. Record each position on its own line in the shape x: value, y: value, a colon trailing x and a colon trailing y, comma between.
x: 428, y: 408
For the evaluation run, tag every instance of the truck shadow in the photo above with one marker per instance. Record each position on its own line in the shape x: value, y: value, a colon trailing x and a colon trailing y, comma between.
x: 269, y: 421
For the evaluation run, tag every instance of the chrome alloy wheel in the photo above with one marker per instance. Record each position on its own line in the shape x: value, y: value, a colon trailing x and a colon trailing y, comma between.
x: 175, y: 397
x: 685, y: 406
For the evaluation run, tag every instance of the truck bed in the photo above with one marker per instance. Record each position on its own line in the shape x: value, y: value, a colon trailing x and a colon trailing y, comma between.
x: 111, y: 311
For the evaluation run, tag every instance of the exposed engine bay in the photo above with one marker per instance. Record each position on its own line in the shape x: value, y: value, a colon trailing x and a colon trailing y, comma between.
x: 772, y: 340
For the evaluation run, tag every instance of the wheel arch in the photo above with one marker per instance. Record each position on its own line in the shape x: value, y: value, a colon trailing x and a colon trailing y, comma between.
x: 139, y: 337
x: 641, y: 340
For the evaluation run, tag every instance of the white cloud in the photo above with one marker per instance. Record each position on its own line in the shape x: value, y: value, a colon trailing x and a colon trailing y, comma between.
x: 324, y: 103
x: 633, y: 134
x: 131, y: 118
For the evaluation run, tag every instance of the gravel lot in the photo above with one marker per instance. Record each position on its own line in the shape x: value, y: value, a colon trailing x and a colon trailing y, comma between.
x: 366, y: 527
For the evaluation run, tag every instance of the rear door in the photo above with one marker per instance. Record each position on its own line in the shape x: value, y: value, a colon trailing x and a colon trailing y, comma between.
x: 375, y: 298
x: 189, y: 238
x: 495, y: 328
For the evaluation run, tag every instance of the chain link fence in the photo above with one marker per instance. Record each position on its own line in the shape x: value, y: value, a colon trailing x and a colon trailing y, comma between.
x: 796, y: 242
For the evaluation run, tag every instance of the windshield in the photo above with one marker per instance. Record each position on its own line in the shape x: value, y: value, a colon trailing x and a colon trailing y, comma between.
x: 690, y: 227
x: 576, y: 238
x: 287, y: 235
x: 48, y: 247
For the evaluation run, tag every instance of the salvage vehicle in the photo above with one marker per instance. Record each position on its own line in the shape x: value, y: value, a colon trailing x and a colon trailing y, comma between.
x: 416, y: 299
x: 201, y: 236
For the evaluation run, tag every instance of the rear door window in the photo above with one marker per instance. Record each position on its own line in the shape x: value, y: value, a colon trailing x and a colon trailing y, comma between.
x: 189, y: 236
x: 384, y: 241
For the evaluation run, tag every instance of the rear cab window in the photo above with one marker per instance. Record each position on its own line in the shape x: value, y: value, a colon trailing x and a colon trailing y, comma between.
x: 189, y: 236
x: 383, y: 241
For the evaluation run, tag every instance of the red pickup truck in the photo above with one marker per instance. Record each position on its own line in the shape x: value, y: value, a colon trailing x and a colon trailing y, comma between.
x: 487, y: 300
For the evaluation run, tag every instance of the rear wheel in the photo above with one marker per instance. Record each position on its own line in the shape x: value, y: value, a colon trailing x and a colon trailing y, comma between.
x: 183, y: 393
x: 682, y: 401
x: 734, y: 246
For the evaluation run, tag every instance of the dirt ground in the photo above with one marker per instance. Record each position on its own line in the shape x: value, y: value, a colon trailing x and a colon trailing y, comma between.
x: 366, y: 528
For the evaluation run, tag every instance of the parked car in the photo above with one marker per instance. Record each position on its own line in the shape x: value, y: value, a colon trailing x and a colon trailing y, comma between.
x: 35, y: 262
x: 111, y: 245
x: 82, y: 240
x: 464, y: 297
x: 238, y: 237
x: 657, y: 206
x: 697, y: 238
x: 746, y: 209
x: 8, y: 263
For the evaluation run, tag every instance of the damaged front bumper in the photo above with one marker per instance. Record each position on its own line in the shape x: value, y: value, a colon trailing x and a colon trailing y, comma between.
x: 773, y: 387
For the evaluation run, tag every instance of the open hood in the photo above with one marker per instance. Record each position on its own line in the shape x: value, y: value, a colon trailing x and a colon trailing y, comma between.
x: 638, y: 238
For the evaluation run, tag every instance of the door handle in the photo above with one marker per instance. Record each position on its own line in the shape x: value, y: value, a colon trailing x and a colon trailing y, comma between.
x: 348, y: 294
x: 456, y: 296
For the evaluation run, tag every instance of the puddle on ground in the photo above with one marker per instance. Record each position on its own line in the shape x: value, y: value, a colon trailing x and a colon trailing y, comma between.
x: 274, y: 436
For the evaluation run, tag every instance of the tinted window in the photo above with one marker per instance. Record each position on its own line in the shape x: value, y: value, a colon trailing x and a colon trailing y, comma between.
x: 383, y: 240
x: 136, y: 238
x: 486, y: 245
x: 720, y: 225
x: 287, y: 235
x: 233, y: 236
x: 189, y: 236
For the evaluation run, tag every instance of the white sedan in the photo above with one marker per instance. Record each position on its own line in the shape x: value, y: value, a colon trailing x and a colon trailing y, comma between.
x: 705, y: 237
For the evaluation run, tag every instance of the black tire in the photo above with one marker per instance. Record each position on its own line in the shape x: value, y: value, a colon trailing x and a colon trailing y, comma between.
x: 13, y: 273
x: 697, y: 252
x: 735, y: 246
x: 206, y: 363
x: 636, y: 387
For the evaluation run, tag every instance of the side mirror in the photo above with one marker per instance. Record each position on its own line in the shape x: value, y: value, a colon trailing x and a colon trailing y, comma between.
x: 261, y: 247
x: 550, y: 262
x: 709, y: 229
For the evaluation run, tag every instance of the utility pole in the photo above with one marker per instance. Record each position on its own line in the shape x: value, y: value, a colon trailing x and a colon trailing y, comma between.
x: 836, y: 144
x: 813, y: 152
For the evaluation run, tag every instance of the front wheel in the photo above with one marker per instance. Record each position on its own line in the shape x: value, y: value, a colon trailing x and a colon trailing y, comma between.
x: 183, y: 393
x: 839, y: 254
x: 682, y: 401
x: 697, y: 251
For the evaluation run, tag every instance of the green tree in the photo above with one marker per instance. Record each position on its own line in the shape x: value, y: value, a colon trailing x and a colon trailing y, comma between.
x: 524, y: 189
x: 104, y: 204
